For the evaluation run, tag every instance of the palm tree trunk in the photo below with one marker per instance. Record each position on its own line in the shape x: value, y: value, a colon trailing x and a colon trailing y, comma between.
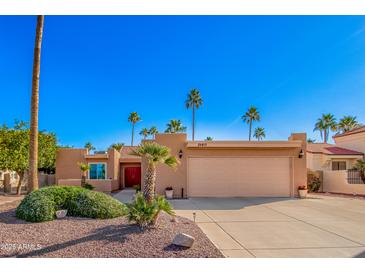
x: 132, y: 134
x: 325, y: 136
x: 33, y: 147
x: 249, y: 131
x: 149, y: 183
x: 193, y: 122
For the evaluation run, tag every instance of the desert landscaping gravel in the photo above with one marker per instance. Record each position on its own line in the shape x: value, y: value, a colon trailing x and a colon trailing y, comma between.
x: 80, y: 237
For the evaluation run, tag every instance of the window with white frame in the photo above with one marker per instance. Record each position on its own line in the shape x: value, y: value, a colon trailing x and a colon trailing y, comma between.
x: 97, y: 171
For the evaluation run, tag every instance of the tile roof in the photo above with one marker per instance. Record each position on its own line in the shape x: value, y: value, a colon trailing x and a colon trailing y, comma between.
x: 354, y: 131
x: 329, y: 149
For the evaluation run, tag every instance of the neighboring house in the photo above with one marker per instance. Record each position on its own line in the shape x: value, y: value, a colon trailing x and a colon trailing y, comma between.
x: 207, y: 169
x: 353, y: 139
x: 321, y: 156
x: 334, y: 164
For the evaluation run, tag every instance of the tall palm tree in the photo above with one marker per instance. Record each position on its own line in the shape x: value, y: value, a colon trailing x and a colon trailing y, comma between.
x: 153, y: 131
x: 133, y: 118
x: 347, y: 123
x: 144, y: 132
x: 175, y: 126
x: 324, y: 124
x: 251, y: 115
x: 33, y: 146
x: 259, y: 133
x: 194, y: 101
x: 154, y: 154
x: 89, y: 146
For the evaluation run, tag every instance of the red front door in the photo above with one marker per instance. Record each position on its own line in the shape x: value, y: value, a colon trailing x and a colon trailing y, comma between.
x: 132, y: 176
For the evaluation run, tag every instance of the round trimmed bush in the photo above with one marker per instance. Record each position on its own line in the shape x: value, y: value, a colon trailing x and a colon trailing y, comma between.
x: 36, y: 207
x: 96, y: 205
x: 41, y: 205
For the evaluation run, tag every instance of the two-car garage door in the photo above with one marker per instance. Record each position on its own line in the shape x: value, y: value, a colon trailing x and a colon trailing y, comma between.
x: 239, y: 176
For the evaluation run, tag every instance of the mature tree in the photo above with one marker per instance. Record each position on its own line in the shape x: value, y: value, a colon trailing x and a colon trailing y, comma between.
x: 133, y: 118
x: 209, y: 138
x: 250, y: 116
x: 154, y: 154
x: 311, y: 141
x: 14, y: 150
x: 84, y: 169
x: 194, y: 101
x: 175, y: 126
x: 144, y: 132
x: 259, y: 133
x: 153, y: 131
x: 347, y: 123
x: 324, y: 124
x: 89, y: 146
x: 117, y: 146
x: 33, y: 148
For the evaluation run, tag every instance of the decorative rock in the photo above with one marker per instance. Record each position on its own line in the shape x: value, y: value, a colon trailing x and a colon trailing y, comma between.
x: 184, y: 240
x: 61, y: 213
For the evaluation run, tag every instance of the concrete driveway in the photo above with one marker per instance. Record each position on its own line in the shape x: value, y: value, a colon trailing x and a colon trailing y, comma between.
x: 279, y: 227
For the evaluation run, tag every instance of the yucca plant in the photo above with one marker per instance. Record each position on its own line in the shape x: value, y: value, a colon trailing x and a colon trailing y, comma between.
x: 154, y: 154
x: 145, y: 213
x: 84, y: 168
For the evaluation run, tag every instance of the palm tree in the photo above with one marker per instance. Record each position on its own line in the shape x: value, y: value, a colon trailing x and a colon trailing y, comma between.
x: 209, y: 138
x: 311, y: 141
x: 259, y: 133
x: 133, y: 118
x: 175, y: 126
x: 33, y: 146
x: 153, y: 131
x: 117, y: 146
x: 89, y: 146
x: 251, y: 115
x: 84, y: 168
x: 324, y: 124
x: 154, y: 154
x: 194, y: 101
x: 347, y: 123
x: 144, y: 132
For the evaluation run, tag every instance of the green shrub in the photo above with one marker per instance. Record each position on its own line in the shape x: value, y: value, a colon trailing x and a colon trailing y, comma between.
x: 41, y: 205
x: 95, y: 205
x: 88, y: 186
x: 143, y: 213
x: 36, y: 207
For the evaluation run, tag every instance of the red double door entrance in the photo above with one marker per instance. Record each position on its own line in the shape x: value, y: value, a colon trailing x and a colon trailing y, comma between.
x: 132, y: 176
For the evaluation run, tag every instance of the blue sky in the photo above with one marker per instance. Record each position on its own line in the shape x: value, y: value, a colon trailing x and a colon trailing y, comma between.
x: 95, y: 70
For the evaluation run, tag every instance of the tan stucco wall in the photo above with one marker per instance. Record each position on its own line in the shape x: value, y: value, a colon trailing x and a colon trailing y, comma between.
x: 178, y: 178
x: 317, y: 161
x: 100, y: 185
x: 66, y: 163
x: 336, y: 182
x: 355, y: 142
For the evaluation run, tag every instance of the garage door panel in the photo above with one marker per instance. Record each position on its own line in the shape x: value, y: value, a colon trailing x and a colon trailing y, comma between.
x: 236, y: 177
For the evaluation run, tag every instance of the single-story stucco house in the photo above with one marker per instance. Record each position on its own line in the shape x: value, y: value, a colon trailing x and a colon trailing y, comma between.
x: 334, y: 164
x: 207, y: 168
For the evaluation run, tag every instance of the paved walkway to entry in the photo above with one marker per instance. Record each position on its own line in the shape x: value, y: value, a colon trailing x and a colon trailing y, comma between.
x: 318, y: 226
